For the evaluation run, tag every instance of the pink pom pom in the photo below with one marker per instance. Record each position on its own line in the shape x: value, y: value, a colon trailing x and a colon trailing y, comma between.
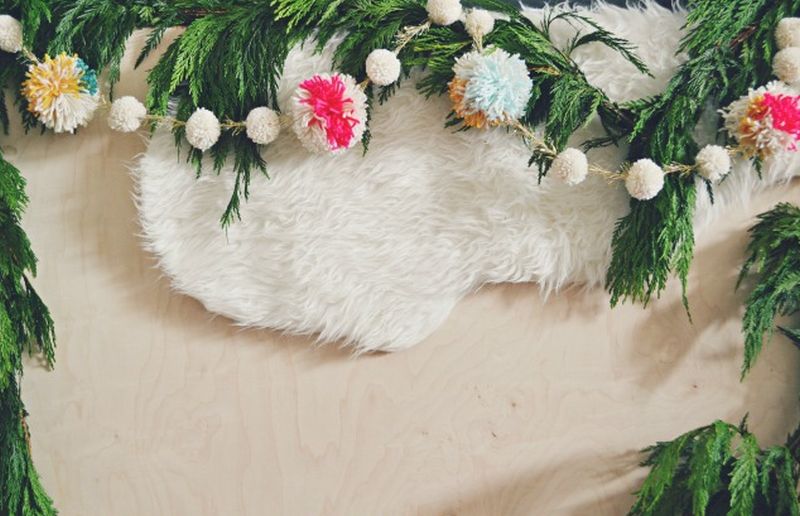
x: 331, y: 106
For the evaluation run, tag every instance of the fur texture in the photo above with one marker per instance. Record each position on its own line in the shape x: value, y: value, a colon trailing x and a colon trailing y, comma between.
x: 377, y: 250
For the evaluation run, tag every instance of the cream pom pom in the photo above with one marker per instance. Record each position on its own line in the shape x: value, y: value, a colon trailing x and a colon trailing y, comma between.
x: 787, y: 34
x: 383, y: 67
x: 126, y: 114
x: 645, y: 179
x: 263, y: 125
x: 202, y: 129
x: 10, y: 34
x: 786, y: 65
x: 713, y: 162
x: 444, y: 12
x: 571, y: 166
x: 479, y: 23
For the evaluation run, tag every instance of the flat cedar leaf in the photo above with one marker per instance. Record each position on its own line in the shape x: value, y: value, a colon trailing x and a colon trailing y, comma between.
x: 711, y: 452
x: 665, y: 460
x: 744, y: 478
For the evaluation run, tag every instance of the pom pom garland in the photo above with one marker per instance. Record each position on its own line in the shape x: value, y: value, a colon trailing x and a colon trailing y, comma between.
x: 479, y: 23
x: 571, y: 166
x: 713, y: 162
x: 444, y: 12
x: 787, y: 34
x: 202, y: 129
x: 383, y: 67
x: 262, y: 125
x: 766, y: 121
x: 644, y: 180
x: 786, y: 65
x: 126, y: 115
x: 490, y: 87
x: 329, y: 113
x: 61, y: 92
x: 10, y: 34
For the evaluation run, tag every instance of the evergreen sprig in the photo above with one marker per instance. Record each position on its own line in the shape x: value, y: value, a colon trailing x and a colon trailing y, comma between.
x: 726, y: 57
x: 25, y: 326
x: 774, y: 261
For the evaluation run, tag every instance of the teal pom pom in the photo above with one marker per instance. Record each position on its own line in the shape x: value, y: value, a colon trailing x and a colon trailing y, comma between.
x: 89, y: 77
x: 499, y: 85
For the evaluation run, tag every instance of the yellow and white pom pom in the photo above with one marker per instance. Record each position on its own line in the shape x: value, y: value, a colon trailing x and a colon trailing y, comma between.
x: 383, y: 67
x: 203, y: 129
x: 126, y: 114
x: 479, y: 23
x: 713, y: 162
x: 787, y: 34
x: 645, y: 180
x: 444, y: 12
x: 10, y: 34
x: 263, y: 125
x: 61, y: 92
x: 571, y: 166
x: 786, y: 65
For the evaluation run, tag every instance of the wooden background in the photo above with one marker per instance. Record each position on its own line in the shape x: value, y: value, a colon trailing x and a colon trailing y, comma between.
x: 518, y: 405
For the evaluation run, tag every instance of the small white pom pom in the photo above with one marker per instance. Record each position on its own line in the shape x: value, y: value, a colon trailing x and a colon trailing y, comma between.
x: 383, y: 67
x: 444, y: 12
x: 202, y: 129
x: 263, y: 125
x: 786, y: 65
x: 713, y: 162
x: 479, y: 23
x: 571, y: 166
x: 787, y: 34
x: 645, y: 179
x: 126, y: 114
x: 10, y: 34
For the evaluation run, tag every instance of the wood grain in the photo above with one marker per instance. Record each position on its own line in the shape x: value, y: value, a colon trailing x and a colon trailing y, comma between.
x: 518, y: 405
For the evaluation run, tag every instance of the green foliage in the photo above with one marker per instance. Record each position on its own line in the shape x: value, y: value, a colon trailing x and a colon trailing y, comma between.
x: 774, y: 260
x: 25, y: 325
x: 726, y: 57
x: 719, y: 469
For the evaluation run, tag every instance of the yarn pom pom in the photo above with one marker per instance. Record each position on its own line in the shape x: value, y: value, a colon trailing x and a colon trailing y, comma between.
x: 383, y: 67
x: 329, y: 113
x: 787, y: 34
x: 202, y: 129
x: 766, y: 121
x: 263, y: 125
x: 571, y: 166
x: 479, y: 23
x: 126, y: 114
x: 492, y: 87
x: 786, y: 65
x: 645, y: 180
x: 713, y: 162
x: 61, y: 92
x: 10, y: 34
x: 444, y: 12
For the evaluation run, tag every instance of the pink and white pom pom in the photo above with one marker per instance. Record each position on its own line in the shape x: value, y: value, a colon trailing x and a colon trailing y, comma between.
x: 329, y: 113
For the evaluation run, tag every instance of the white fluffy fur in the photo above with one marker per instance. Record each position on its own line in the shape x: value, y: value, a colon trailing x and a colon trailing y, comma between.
x: 377, y: 250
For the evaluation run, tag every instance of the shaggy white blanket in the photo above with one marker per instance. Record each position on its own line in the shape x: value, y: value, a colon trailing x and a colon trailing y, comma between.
x: 377, y: 250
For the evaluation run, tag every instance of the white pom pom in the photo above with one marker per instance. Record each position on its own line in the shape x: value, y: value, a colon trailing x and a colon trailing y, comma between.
x: 202, y: 129
x: 645, y: 179
x: 10, y: 34
x: 126, y: 114
x: 479, y: 23
x: 787, y: 34
x: 786, y: 65
x: 263, y: 125
x: 444, y: 12
x: 571, y: 166
x: 383, y: 67
x: 713, y: 162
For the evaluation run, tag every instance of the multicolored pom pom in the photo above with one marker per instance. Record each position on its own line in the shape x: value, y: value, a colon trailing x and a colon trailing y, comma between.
x: 329, y: 113
x: 766, y: 121
x: 61, y: 92
x: 491, y: 87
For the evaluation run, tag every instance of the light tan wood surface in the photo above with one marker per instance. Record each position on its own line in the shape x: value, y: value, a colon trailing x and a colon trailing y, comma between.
x: 517, y: 405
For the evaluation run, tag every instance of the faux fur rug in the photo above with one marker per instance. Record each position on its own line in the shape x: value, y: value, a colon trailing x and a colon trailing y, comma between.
x: 377, y: 250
